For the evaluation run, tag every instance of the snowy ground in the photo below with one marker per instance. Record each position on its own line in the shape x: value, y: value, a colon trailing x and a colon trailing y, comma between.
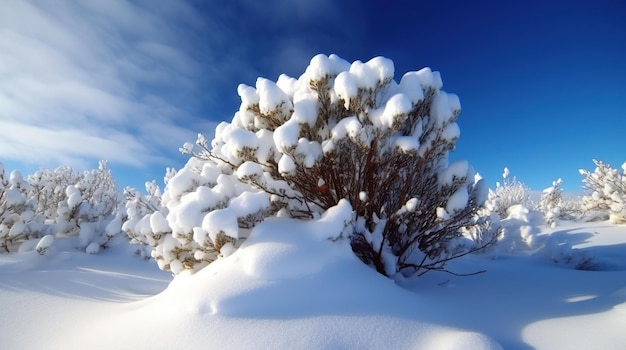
x: 289, y: 287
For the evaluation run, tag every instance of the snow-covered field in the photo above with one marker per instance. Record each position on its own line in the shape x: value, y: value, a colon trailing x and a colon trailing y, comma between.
x: 291, y: 287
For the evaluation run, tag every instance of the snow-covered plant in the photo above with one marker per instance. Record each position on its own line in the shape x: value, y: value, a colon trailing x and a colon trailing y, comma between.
x: 143, y: 212
x: 89, y: 207
x: 59, y: 202
x: 550, y: 202
x: 607, y: 192
x: 511, y: 192
x: 571, y: 208
x: 296, y: 147
x: 49, y: 187
x: 18, y: 220
x: 519, y: 230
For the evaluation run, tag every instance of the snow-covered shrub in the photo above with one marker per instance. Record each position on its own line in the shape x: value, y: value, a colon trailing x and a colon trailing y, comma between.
x: 519, y: 230
x: 571, y: 209
x: 149, y: 218
x: 508, y: 194
x: 550, y: 202
x: 607, y: 192
x: 49, y: 187
x: 89, y: 209
x: 142, y: 212
x: 59, y: 202
x: 18, y: 220
x: 296, y: 147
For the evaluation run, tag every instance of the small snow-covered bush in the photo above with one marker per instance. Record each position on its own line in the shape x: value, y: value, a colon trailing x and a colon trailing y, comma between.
x: 607, y: 192
x: 511, y: 192
x: 18, y: 220
x: 550, y: 202
x: 519, y: 230
x: 296, y: 147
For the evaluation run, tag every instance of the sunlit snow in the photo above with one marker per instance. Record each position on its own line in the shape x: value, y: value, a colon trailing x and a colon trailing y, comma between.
x: 294, y: 286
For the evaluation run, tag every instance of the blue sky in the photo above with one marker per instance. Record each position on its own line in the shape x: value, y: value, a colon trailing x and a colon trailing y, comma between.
x: 542, y: 83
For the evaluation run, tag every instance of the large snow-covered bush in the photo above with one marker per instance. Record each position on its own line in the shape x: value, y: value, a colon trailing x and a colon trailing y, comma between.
x: 607, y: 192
x: 296, y: 147
x: 18, y: 218
x: 508, y: 194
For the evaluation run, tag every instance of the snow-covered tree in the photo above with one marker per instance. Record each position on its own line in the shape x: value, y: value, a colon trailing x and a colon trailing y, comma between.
x: 511, y: 192
x: 296, y: 147
x: 18, y: 220
x: 607, y: 192
x: 551, y: 201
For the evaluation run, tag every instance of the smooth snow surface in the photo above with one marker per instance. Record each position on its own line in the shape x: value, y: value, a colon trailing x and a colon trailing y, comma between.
x: 297, y: 285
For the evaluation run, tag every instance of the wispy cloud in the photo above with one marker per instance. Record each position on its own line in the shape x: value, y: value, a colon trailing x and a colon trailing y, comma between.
x: 130, y: 81
x: 89, y: 80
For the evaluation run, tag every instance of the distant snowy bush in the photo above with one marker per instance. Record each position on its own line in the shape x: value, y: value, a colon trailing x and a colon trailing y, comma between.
x: 59, y: 202
x: 18, y: 219
x: 296, y: 147
x: 509, y: 193
x: 49, y: 187
x: 519, y: 230
x: 571, y: 209
x: 550, y: 202
x: 607, y: 192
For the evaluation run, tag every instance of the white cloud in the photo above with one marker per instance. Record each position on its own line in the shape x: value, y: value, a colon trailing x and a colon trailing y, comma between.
x: 70, y: 145
x: 87, y: 80
x: 130, y: 81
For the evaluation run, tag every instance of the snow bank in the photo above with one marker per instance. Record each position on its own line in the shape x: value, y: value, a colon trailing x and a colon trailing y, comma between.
x: 292, y: 285
x: 296, y: 284
x: 522, y: 301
